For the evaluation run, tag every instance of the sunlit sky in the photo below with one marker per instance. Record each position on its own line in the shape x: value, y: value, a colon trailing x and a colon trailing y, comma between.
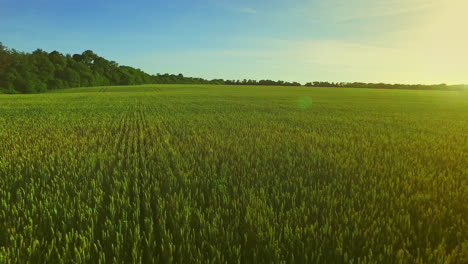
x: 395, y: 41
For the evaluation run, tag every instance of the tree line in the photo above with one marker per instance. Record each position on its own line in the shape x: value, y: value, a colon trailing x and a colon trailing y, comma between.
x: 40, y: 71
x: 442, y: 86
x: 261, y: 82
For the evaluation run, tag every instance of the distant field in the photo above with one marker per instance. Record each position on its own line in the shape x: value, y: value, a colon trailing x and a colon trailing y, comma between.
x: 227, y: 174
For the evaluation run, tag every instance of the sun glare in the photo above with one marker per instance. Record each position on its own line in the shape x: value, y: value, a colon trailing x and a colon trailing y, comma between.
x: 445, y: 40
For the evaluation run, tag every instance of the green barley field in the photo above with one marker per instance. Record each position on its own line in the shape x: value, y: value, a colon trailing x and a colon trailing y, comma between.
x: 234, y: 174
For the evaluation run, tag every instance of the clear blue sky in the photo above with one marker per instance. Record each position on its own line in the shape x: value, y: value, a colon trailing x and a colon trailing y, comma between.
x: 410, y: 41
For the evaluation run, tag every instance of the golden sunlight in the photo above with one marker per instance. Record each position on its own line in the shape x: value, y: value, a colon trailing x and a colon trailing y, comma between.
x: 445, y: 41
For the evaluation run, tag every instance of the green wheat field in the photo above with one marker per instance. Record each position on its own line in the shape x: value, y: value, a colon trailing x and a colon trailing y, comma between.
x: 234, y: 174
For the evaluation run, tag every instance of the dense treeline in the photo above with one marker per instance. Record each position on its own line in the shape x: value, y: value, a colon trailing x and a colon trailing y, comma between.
x: 40, y: 71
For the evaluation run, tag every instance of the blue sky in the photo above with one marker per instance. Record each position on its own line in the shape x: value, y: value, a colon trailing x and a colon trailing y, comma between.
x: 405, y: 41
